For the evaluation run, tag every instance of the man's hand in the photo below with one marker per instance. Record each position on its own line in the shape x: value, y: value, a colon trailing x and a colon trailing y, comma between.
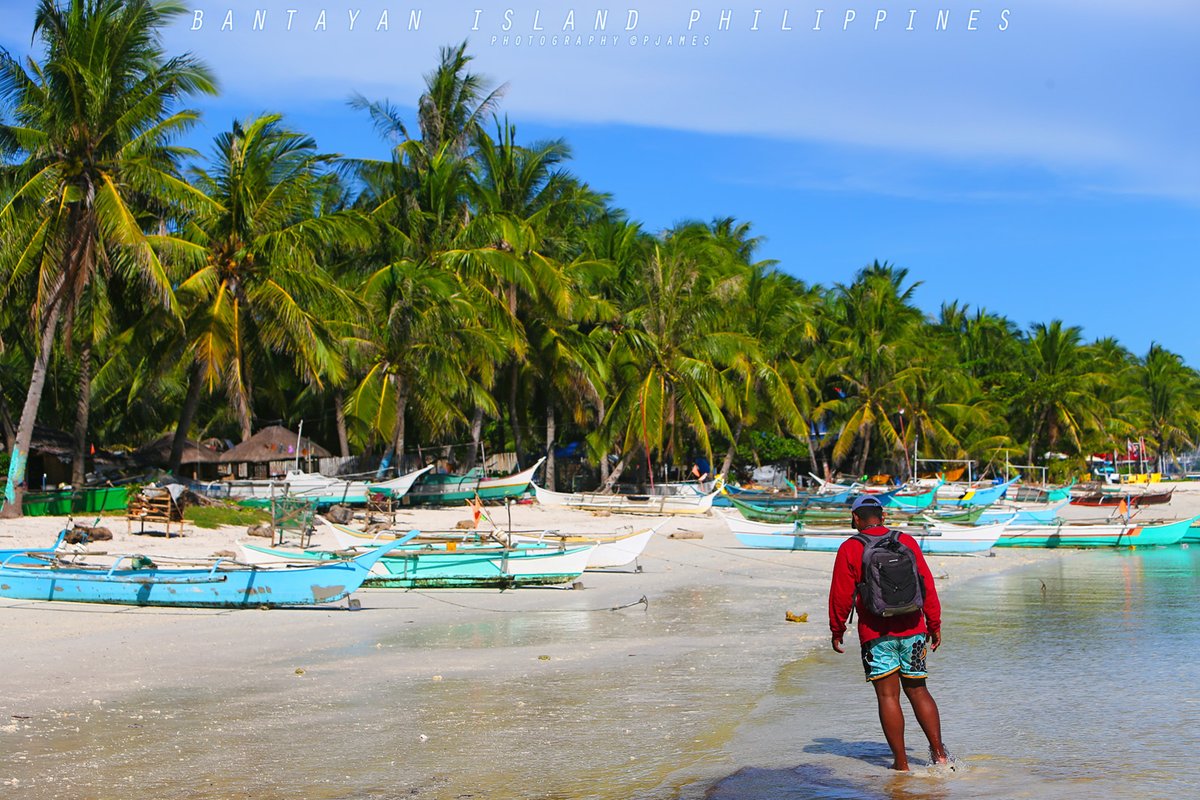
x: 935, y: 640
x: 837, y: 645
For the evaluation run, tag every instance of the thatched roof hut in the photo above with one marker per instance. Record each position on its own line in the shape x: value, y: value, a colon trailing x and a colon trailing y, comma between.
x: 275, y: 443
x: 158, y: 452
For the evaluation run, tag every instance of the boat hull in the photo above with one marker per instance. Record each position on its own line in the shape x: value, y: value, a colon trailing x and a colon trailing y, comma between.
x: 215, y: 587
x: 1106, y: 535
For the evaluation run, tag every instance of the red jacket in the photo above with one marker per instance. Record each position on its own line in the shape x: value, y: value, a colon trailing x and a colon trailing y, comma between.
x: 847, y: 573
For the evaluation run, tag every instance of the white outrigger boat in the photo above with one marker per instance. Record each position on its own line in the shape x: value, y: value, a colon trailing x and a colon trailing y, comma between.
x: 654, y: 505
x: 319, y: 488
x: 934, y: 538
x: 608, y: 550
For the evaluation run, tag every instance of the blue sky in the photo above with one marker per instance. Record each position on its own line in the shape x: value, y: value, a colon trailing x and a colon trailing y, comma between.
x: 1047, y: 170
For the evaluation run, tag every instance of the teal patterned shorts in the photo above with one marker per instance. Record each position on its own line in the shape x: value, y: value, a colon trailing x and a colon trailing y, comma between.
x: 887, y: 654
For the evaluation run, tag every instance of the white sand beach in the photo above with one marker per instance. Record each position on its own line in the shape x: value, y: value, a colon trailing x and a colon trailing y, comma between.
x: 472, y: 671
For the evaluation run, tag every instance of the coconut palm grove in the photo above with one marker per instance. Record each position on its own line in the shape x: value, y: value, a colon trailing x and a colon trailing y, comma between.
x: 471, y: 294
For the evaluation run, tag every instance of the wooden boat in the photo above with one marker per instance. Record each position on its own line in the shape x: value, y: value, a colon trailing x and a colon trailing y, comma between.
x: 609, y: 550
x: 940, y: 539
x: 1040, y: 494
x: 471, y: 565
x: 1114, y: 498
x: 219, y: 583
x: 1110, y: 534
x: 978, y: 496
x: 824, y: 514
x: 913, y: 501
x: 1192, y: 535
x: 660, y: 505
x: 457, y: 489
x: 1039, y: 514
x: 399, y: 486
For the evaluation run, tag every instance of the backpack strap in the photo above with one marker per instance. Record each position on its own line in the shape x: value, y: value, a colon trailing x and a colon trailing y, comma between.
x: 866, y: 543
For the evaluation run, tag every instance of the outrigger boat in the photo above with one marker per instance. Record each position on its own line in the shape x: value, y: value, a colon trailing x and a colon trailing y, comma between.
x: 655, y: 505
x: 976, y: 496
x: 610, y: 550
x: 319, y: 489
x: 449, y: 490
x: 450, y: 564
x: 823, y: 514
x: 218, y: 583
x: 934, y: 539
x: 1112, y: 534
x: 1025, y: 514
x: 1114, y: 498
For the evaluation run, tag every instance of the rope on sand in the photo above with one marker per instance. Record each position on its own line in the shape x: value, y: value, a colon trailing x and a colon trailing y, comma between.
x: 642, y: 601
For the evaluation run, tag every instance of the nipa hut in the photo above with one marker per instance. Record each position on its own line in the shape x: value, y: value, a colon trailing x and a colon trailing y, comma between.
x: 199, y: 461
x: 272, y: 451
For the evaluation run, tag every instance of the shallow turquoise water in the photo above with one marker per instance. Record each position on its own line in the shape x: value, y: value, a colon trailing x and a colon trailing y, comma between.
x: 1077, y: 679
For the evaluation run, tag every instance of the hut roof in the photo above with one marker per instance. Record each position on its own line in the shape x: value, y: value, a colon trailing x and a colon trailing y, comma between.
x: 158, y: 452
x: 275, y: 443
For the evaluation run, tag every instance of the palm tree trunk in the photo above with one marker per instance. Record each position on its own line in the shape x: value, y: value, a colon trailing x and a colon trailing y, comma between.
x: 866, y: 451
x: 514, y: 413
x: 241, y: 407
x: 83, y: 409
x: 10, y: 433
x: 550, y: 433
x: 812, y: 448
x: 188, y: 413
x: 732, y: 451
x: 476, y: 435
x: 612, y: 479
x: 14, y: 490
x: 339, y: 412
x: 398, y: 432
x: 604, y: 457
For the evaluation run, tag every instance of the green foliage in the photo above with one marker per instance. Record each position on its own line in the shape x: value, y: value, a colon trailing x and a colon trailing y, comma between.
x: 225, y: 514
x: 764, y: 447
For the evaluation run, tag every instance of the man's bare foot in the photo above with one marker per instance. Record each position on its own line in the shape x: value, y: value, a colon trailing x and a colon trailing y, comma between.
x: 938, y: 755
x: 900, y: 766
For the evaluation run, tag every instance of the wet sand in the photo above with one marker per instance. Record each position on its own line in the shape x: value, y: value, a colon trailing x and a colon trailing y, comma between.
x: 442, y: 693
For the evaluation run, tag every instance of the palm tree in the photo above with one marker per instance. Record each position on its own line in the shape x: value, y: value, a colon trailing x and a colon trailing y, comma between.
x: 262, y: 280
x: 1055, y: 390
x: 669, y: 350
x: 88, y: 152
x: 1171, y: 389
x: 875, y: 327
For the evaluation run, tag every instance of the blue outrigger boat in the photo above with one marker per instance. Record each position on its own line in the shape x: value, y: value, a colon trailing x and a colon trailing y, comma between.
x: 979, y: 496
x: 46, y: 574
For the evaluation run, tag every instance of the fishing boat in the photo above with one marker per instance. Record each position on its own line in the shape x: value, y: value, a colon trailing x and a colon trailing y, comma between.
x: 653, y: 505
x: 820, y: 515
x: 1107, y: 534
x: 1192, y: 535
x: 446, y: 490
x: 469, y: 566
x: 940, y: 539
x: 977, y: 496
x: 1101, y: 497
x: 313, y: 486
x: 1027, y: 493
x: 1031, y: 514
x: 610, y: 549
x: 912, y: 500
x: 399, y: 486
x: 131, y: 579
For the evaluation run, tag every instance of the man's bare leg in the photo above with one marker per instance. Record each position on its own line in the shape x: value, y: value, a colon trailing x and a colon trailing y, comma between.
x: 926, y: 711
x: 891, y: 717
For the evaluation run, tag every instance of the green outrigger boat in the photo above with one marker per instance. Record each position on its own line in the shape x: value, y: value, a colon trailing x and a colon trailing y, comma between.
x: 1105, y: 534
x: 450, y: 490
x: 821, y: 516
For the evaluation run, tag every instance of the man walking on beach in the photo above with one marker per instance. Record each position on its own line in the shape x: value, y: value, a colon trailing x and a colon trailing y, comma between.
x: 893, y: 645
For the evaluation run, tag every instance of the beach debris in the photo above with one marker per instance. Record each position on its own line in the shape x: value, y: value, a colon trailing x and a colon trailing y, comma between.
x: 422, y: 738
x: 437, y: 677
x: 602, y: 513
x: 577, y: 585
x: 543, y: 658
x: 262, y: 530
x: 224, y: 554
x: 790, y: 617
x: 299, y: 670
x: 685, y: 534
x: 81, y: 534
x: 465, y: 525
x: 353, y: 604
x: 340, y: 514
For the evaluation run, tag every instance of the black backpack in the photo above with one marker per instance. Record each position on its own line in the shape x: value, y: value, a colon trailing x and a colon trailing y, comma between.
x: 891, y: 584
